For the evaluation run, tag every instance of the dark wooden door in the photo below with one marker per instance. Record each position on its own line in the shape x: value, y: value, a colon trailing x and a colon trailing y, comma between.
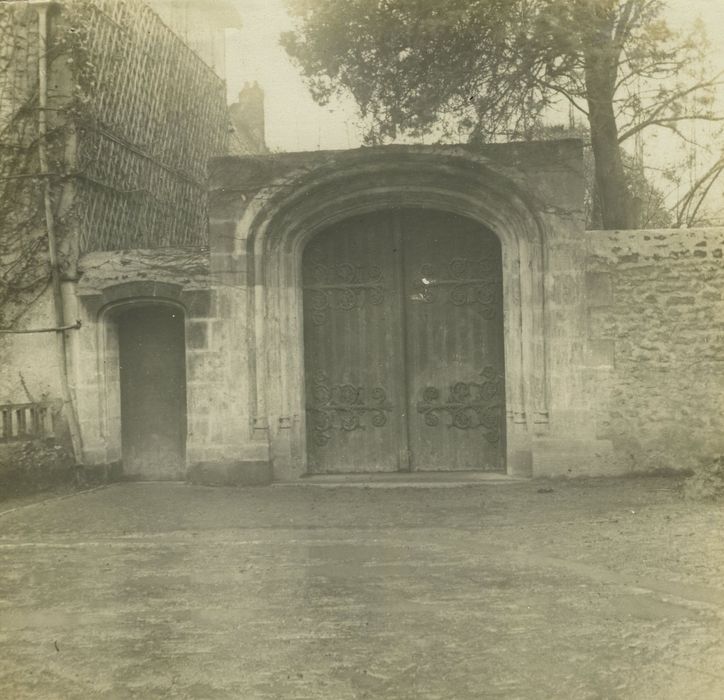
x: 404, y: 345
x: 153, y: 392
x: 454, y: 343
x: 353, y: 348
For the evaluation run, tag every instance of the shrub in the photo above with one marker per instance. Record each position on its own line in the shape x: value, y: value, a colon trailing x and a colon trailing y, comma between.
x: 37, y: 465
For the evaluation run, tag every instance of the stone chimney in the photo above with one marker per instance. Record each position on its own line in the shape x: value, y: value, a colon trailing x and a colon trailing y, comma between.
x: 247, y: 118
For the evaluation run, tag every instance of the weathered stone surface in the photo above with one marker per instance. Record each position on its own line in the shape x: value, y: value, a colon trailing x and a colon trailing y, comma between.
x: 29, y: 363
x: 661, y: 402
x: 231, y: 474
x: 265, y: 209
x: 185, y: 267
x: 613, y: 340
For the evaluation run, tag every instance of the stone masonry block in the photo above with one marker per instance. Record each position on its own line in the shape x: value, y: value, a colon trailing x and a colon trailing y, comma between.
x: 601, y: 323
x: 599, y: 289
x: 601, y: 353
x: 235, y: 278
x: 198, y: 303
x: 197, y: 335
x: 222, y: 234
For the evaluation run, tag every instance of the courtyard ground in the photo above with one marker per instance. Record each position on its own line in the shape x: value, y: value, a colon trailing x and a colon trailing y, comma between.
x: 578, y: 589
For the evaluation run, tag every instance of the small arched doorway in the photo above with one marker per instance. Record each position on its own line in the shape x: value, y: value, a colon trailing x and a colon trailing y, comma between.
x: 152, y: 370
x: 403, y: 345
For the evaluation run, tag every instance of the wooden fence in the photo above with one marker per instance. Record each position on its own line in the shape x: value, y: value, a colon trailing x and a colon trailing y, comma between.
x: 28, y: 421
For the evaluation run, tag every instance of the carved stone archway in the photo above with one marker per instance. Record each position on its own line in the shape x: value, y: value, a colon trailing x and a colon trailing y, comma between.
x: 286, y: 213
x: 96, y: 360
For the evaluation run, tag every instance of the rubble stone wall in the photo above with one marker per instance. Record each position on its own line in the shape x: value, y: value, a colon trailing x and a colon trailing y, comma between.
x: 656, y: 344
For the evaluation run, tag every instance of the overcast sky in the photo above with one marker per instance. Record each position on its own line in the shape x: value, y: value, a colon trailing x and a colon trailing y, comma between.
x: 295, y: 122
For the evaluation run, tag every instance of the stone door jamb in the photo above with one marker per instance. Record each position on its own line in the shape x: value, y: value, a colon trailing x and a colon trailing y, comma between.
x: 283, y: 217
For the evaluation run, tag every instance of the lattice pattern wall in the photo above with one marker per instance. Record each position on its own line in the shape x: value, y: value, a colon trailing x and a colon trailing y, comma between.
x: 23, y: 264
x: 18, y: 60
x: 153, y: 115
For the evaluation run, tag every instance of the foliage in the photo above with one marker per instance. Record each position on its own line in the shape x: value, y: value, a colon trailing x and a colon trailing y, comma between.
x: 37, y: 465
x: 133, y: 116
x: 24, y: 265
x: 690, y: 208
x: 490, y: 69
x: 24, y: 270
x: 650, y: 200
x: 651, y: 209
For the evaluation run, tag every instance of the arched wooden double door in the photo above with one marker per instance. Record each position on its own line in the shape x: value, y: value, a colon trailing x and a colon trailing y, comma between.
x: 403, y: 339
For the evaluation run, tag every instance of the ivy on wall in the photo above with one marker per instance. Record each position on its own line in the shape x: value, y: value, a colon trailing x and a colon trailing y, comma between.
x: 24, y: 272
x: 133, y: 114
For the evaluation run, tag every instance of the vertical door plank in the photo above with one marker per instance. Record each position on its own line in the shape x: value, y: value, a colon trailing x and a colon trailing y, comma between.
x: 454, y: 328
x: 353, y: 367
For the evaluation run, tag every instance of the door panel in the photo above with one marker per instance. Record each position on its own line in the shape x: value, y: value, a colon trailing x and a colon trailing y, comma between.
x: 454, y: 357
x: 404, y: 345
x: 353, y: 362
x: 153, y: 392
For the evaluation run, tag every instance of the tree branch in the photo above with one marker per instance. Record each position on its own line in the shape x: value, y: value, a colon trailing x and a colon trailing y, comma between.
x: 565, y: 94
x: 653, y: 117
x: 667, y: 123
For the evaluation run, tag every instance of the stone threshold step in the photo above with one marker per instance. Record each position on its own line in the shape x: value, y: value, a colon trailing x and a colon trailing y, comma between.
x: 405, y: 479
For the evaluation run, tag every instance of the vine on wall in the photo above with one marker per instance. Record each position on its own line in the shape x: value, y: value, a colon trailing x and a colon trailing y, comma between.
x: 24, y: 271
x: 134, y: 115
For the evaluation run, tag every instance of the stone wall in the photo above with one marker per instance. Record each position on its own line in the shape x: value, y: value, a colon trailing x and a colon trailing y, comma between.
x: 621, y: 371
x: 109, y: 282
x: 264, y: 209
x: 134, y: 115
x: 29, y: 366
x: 218, y: 423
x: 655, y: 304
x: 614, y: 340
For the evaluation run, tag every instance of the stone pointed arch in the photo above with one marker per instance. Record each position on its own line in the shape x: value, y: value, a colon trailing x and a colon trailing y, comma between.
x: 286, y: 200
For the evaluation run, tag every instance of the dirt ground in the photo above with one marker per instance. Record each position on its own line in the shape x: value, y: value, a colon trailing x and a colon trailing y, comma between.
x: 579, y: 589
